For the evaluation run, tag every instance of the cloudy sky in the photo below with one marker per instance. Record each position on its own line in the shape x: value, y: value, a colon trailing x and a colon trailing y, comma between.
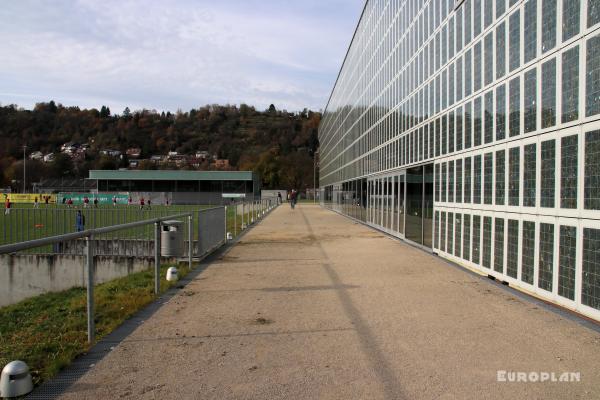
x: 176, y: 54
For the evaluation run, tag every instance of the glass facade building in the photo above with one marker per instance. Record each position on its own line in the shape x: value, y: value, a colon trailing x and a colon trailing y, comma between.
x: 472, y: 127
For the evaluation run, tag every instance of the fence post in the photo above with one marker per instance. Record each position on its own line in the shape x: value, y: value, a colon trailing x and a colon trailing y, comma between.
x: 156, y: 257
x: 225, y: 224
x: 235, y: 220
x: 90, y: 288
x: 190, y: 242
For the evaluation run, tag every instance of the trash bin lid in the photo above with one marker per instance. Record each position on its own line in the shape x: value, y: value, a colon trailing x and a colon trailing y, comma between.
x: 172, y: 222
x: 15, y: 368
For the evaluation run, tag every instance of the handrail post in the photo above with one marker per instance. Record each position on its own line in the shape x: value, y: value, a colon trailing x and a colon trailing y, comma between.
x: 90, y: 288
x: 190, y: 242
x: 157, y: 258
x: 225, y: 224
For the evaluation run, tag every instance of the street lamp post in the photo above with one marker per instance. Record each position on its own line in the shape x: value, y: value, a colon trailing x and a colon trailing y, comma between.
x: 24, y: 165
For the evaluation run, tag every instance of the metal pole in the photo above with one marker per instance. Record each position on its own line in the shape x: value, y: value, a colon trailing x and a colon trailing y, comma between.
x: 157, y: 258
x: 190, y: 243
x: 315, y: 175
x: 24, y: 164
x: 235, y: 221
x: 90, y: 288
x: 225, y: 224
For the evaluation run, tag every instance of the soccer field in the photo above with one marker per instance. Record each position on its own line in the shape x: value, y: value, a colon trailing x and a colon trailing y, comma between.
x: 27, y: 223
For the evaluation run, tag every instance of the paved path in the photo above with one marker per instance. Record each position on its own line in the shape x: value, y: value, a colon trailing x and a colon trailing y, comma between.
x: 310, y: 305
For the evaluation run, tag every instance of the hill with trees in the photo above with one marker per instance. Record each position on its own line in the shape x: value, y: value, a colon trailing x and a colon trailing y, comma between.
x: 280, y: 146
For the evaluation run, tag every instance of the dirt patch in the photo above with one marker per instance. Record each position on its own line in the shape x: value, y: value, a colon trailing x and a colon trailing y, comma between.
x: 262, y: 321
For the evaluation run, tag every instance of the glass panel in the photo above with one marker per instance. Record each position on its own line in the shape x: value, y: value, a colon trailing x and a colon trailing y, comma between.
x: 467, y: 188
x: 500, y: 112
x: 514, y: 60
x: 570, y: 19
x: 451, y: 182
x: 512, y: 255
x: 459, y: 181
x: 500, y: 179
x: 489, y: 58
x: 548, y: 172
x: 593, y: 14
x: 549, y: 93
x: 444, y: 183
x: 515, y: 107
x: 468, y: 125
x: 476, y: 238
x: 530, y: 27
x: 436, y: 244
x: 450, y: 234
x: 529, y: 172
x: 443, y: 232
x: 548, y: 25
x: 476, y: 18
x: 401, y: 209
x: 499, y: 246
x: 592, y: 73
x: 488, y: 178
x: 457, y: 234
x: 477, y: 66
x: 568, y: 171
x: 530, y: 96
x: 528, y: 256
x: 590, y: 288
x: 592, y: 171
x: 546, y: 266
x: 489, y: 117
x: 514, y: 177
x: 500, y: 50
x: 428, y: 205
x: 477, y: 121
x: 477, y: 180
x: 438, y: 178
x: 570, y: 84
x: 487, y: 242
x: 467, y: 237
x: 567, y: 262
x: 414, y: 204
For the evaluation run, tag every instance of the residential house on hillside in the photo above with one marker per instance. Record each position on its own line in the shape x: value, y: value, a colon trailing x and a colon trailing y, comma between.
x: 134, y: 152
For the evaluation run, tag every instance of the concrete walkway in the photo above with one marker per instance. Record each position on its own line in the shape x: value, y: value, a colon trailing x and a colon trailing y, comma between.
x: 310, y: 305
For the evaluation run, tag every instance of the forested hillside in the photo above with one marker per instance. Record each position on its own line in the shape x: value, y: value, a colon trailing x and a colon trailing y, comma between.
x: 277, y: 144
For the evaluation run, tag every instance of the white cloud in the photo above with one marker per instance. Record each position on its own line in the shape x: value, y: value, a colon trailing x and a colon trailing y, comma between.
x: 187, y: 54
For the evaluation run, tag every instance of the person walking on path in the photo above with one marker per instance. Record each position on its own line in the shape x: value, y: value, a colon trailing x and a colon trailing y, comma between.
x: 7, y: 206
x: 293, y: 196
x: 79, y: 221
x: 278, y: 197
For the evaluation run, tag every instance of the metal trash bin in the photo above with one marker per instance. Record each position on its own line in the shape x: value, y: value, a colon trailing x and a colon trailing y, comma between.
x: 171, y: 239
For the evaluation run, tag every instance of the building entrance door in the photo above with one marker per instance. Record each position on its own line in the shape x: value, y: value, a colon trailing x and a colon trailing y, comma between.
x: 419, y: 204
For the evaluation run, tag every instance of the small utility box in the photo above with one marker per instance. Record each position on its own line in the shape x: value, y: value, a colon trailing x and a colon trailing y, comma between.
x: 171, y: 239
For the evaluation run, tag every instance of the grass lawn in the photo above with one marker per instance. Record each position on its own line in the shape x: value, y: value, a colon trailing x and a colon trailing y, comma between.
x: 26, y: 223
x: 50, y: 330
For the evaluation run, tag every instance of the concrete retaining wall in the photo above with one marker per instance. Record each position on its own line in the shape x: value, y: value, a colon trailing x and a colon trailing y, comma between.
x: 24, y: 276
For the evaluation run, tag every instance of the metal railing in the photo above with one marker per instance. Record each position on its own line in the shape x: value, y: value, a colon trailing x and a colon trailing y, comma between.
x: 205, y: 232
x: 89, y: 236
x: 242, y: 215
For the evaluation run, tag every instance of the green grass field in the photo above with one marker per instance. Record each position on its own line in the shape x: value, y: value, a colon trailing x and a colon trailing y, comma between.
x: 49, y: 331
x: 27, y: 223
